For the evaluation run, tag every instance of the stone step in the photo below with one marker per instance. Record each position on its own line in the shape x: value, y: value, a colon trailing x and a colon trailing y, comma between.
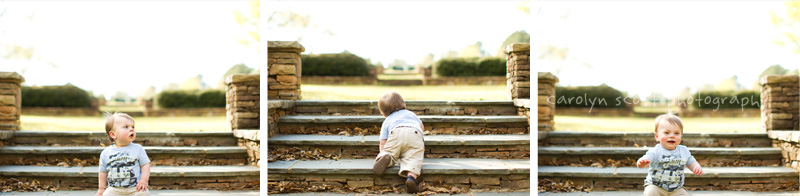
x: 370, y: 107
x: 694, y: 193
x: 434, y: 125
x: 146, y: 138
x: 713, y: 178
x: 463, y: 173
x: 159, y: 155
x: 627, y: 156
x: 436, y: 146
x: 167, y: 177
x: 575, y: 138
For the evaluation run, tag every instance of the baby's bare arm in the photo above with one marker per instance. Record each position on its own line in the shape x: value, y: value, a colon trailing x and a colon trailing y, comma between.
x: 102, y: 178
x: 142, y: 184
x: 383, y: 142
x: 696, y: 169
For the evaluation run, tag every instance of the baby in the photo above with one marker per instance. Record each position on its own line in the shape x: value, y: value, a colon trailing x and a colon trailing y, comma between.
x: 124, y: 166
x: 667, y: 159
x: 401, y: 140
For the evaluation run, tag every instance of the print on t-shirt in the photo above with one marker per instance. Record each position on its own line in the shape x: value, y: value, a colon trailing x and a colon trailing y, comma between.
x: 669, y: 172
x: 120, y: 170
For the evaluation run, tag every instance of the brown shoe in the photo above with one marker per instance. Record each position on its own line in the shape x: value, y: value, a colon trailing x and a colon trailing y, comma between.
x: 381, y: 164
x: 411, y: 185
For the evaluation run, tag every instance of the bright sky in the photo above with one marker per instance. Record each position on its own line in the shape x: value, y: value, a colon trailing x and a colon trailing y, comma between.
x: 387, y: 30
x: 647, y: 46
x: 111, y: 46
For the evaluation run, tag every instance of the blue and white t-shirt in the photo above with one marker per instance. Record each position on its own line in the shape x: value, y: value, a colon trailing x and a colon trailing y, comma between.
x: 398, y: 118
x: 666, y: 166
x: 123, y: 165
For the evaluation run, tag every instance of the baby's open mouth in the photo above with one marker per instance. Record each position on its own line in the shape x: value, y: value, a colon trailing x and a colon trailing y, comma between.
x: 671, y: 142
x: 132, y: 134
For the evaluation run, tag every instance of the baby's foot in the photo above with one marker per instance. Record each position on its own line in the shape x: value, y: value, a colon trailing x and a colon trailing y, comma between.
x: 411, y: 185
x: 381, y: 164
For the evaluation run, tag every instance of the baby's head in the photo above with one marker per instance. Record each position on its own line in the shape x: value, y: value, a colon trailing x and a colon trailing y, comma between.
x: 119, y: 128
x: 669, y: 130
x: 390, y: 102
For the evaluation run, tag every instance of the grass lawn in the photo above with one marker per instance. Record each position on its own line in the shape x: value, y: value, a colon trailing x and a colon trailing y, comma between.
x: 637, y: 124
x: 96, y: 123
x: 373, y: 92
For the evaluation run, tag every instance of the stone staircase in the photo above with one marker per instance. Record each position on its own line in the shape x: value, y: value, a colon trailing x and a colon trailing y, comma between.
x: 468, y: 145
x: 605, y: 161
x: 180, y: 160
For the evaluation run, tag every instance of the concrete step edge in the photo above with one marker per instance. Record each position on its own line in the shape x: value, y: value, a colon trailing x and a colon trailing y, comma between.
x: 373, y: 140
x: 548, y: 134
x: 159, y: 171
x: 558, y: 150
x: 98, y: 149
x: 29, y: 133
x: 455, y: 166
x: 408, y: 103
x: 633, y: 172
x: 379, y: 119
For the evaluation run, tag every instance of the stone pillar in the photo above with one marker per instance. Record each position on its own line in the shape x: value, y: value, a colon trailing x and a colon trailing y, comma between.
x: 242, y: 101
x: 547, y: 105
x: 779, y: 102
x: 10, y: 100
x: 285, y: 70
x: 518, y: 70
x: 779, y: 115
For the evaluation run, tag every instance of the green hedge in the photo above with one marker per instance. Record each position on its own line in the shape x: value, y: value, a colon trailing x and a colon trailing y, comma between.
x: 191, y: 99
x: 471, y: 67
x: 726, y: 100
x: 341, y: 64
x: 67, y: 96
x: 603, y: 96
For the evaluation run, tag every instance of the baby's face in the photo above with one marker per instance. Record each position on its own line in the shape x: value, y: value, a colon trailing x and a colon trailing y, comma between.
x: 668, y: 135
x: 123, y: 131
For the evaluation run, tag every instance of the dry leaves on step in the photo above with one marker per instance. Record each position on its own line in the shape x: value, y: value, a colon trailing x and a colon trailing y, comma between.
x: 547, y: 185
x: 295, y: 153
x: 12, y: 184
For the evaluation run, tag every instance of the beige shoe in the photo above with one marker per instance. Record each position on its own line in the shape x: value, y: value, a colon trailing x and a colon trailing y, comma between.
x: 381, y: 164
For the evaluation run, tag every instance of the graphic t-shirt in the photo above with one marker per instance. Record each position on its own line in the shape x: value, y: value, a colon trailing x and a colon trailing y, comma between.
x: 666, y: 166
x: 398, y: 118
x: 123, y: 165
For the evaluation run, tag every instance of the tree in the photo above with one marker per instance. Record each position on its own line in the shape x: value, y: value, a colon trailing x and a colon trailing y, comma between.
x: 788, y: 24
x: 729, y: 84
x: 772, y: 70
x: 250, y: 25
x: 289, y: 19
x: 473, y: 50
x: 516, y: 37
x: 20, y: 54
x: 240, y: 68
x: 194, y: 83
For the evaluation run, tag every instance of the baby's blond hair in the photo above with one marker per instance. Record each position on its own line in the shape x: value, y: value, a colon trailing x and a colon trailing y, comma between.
x: 671, y: 119
x: 390, y: 102
x: 110, y: 121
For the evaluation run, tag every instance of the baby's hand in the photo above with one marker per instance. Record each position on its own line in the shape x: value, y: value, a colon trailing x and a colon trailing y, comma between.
x: 642, y: 162
x: 141, y: 186
x: 100, y: 192
x: 698, y: 171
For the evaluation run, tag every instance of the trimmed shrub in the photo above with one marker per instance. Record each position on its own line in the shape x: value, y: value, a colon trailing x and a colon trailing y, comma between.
x: 68, y: 96
x: 726, y: 100
x: 341, y: 64
x: 212, y: 98
x: 471, y: 67
x: 191, y: 99
x: 603, y: 96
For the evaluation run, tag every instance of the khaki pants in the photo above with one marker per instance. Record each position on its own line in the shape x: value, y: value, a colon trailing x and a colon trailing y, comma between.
x: 405, y: 146
x: 653, y: 190
x: 125, y: 191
